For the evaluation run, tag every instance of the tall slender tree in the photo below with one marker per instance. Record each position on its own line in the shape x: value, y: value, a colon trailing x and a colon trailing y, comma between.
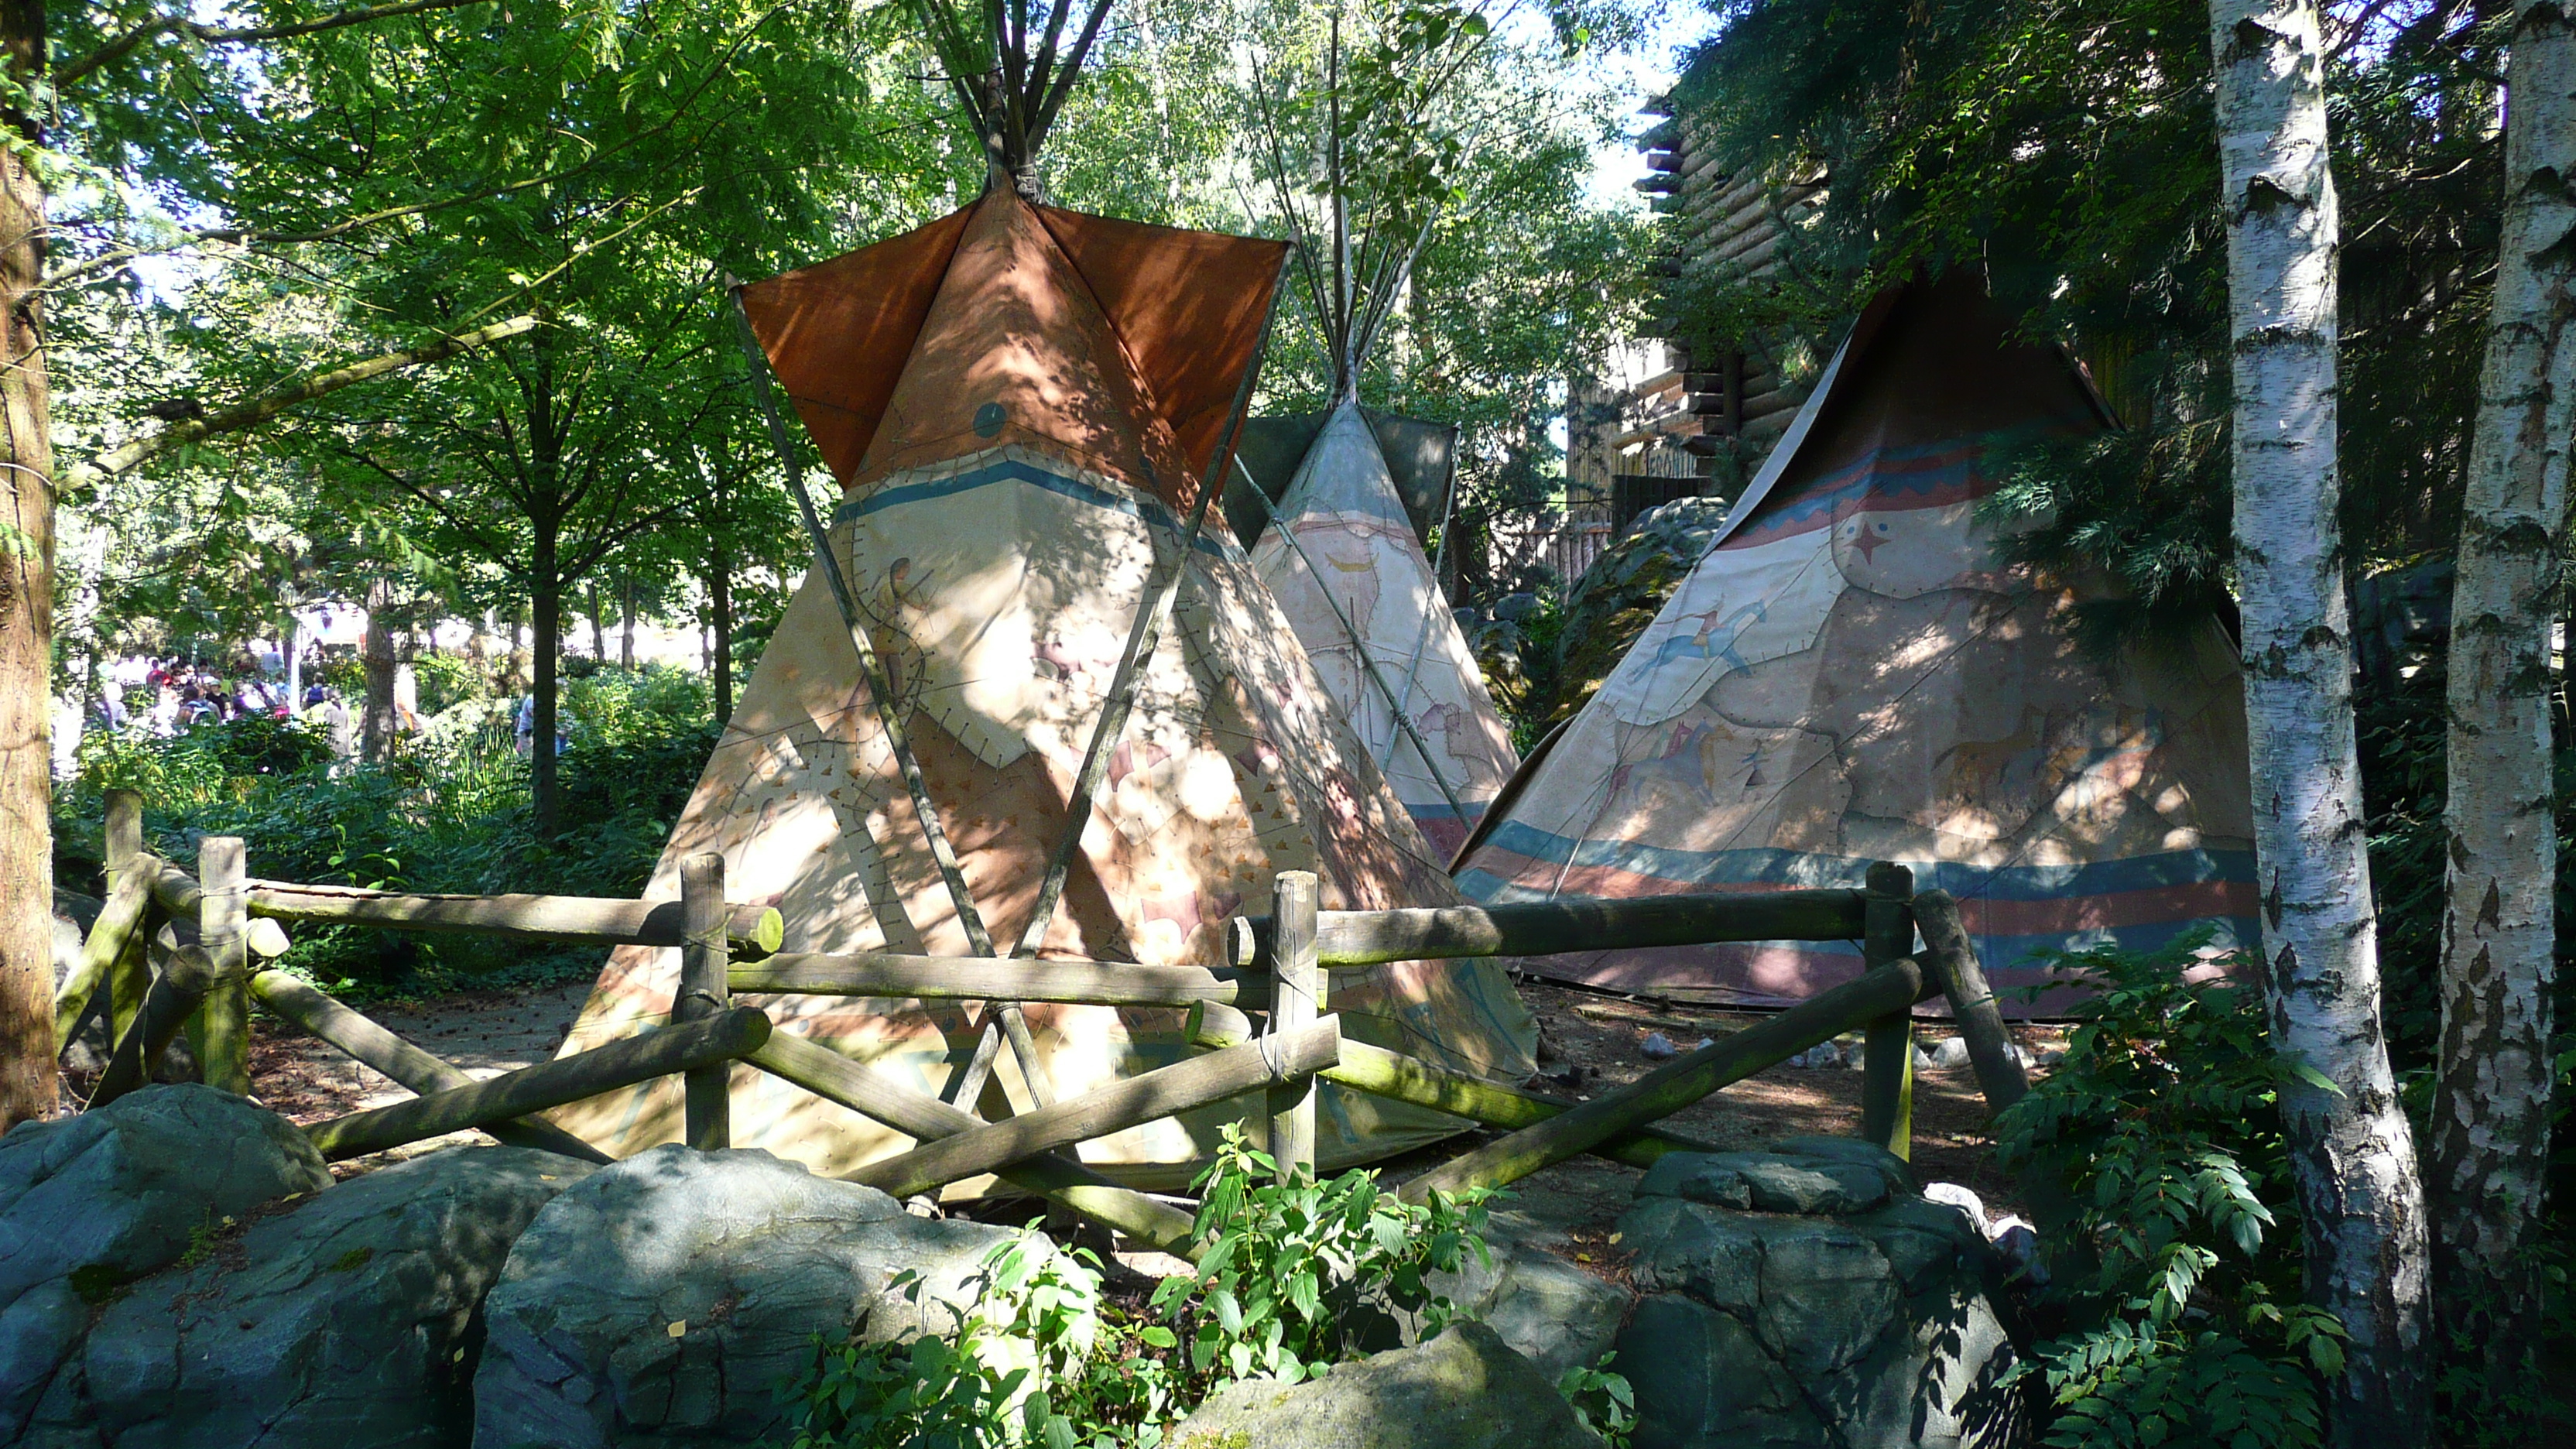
x: 26, y: 591
x: 2352, y: 1154
x: 2490, y: 1120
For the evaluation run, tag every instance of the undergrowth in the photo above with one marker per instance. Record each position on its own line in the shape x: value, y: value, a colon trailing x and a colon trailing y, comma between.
x: 449, y: 813
x: 2175, y: 1287
x: 1292, y: 1279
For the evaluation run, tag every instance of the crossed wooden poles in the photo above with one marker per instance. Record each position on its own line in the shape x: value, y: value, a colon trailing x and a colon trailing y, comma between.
x: 195, y: 971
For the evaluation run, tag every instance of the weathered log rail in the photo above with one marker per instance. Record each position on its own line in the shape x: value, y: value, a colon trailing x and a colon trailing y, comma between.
x: 173, y: 951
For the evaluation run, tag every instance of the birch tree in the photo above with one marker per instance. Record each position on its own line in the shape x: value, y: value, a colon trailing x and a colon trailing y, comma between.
x: 2352, y: 1154
x: 2490, y: 1121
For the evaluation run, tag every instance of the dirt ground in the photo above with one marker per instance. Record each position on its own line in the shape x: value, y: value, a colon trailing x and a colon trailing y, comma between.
x: 1591, y: 1043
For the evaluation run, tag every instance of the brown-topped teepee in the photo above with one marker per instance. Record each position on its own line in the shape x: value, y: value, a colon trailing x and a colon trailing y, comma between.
x: 1022, y: 405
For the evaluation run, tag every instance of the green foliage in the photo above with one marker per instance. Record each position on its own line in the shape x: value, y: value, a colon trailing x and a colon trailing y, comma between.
x: 1603, y: 1402
x: 1293, y: 1273
x: 447, y: 681
x: 2038, y: 141
x: 1290, y: 1279
x: 2178, y: 1275
x: 450, y: 813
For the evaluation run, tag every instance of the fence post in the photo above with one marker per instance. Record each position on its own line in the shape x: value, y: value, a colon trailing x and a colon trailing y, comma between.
x: 705, y: 957
x: 129, y: 978
x: 1296, y: 999
x: 223, y: 917
x: 1887, y: 1052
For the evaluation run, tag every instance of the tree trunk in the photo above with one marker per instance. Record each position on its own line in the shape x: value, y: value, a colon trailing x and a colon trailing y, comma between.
x: 544, y: 634
x: 376, y: 652
x: 720, y: 616
x: 2490, y: 1120
x: 2352, y: 1156
x: 626, y: 622
x: 598, y: 623
x: 27, y: 1076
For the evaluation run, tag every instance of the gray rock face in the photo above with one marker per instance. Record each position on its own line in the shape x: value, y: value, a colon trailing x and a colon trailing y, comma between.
x: 346, y: 1322
x: 660, y: 1301
x: 1465, y: 1389
x: 1547, y: 1309
x: 1810, y: 1297
x: 94, y: 1202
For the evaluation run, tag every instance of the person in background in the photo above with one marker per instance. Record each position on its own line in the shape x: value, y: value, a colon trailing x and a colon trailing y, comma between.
x: 527, y: 727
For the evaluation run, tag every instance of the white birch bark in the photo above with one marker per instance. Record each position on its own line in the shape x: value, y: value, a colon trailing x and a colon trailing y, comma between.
x: 2352, y: 1155
x: 2490, y: 1128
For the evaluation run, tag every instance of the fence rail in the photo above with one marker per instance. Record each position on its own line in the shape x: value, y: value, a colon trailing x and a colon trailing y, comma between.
x: 170, y: 948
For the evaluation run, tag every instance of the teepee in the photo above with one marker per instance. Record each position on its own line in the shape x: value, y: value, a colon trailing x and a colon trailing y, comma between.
x: 1851, y: 674
x: 1023, y: 407
x: 1343, y: 558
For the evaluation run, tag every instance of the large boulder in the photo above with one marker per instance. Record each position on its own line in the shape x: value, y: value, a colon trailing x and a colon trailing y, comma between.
x: 1623, y: 590
x: 662, y: 1300
x: 346, y: 1322
x: 89, y: 1204
x: 1541, y: 1303
x: 1465, y: 1389
x: 1810, y: 1297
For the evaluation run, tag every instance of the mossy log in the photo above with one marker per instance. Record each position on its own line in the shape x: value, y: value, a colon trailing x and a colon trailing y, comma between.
x: 879, y: 1098
x: 1113, y: 1108
x: 1547, y: 928
x: 1890, y: 988
x: 731, y: 1036
x: 369, y: 1042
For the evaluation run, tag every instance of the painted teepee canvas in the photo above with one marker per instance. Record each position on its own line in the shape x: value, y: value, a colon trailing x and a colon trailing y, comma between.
x: 1852, y: 674
x: 1021, y: 404
x: 1342, y: 558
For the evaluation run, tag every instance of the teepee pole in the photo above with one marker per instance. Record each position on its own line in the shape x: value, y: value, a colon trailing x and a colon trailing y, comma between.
x: 1120, y: 702
x: 881, y: 690
x: 1360, y: 647
x: 1422, y: 642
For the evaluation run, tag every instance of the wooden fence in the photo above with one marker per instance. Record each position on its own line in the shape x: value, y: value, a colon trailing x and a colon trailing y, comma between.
x: 173, y: 951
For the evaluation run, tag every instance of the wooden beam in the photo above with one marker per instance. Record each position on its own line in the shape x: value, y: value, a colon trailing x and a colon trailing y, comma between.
x: 1952, y: 958
x: 220, y: 930
x: 879, y: 1098
x: 1887, y: 1048
x: 1661, y: 1093
x: 366, y: 1041
x: 586, y: 920
x: 1545, y: 928
x: 1114, y: 1108
x: 1297, y: 991
x: 112, y: 938
x: 983, y: 978
x: 129, y: 976
x: 728, y: 1037
x: 1401, y: 1078
x: 175, y: 995
x: 706, y: 1091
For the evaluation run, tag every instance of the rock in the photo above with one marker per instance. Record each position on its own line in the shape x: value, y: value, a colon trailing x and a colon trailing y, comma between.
x: 1516, y: 608
x: 1545, y: 1307
x: 1623, y: 590
x: 661, y: 1300
x: 91, y: 1203
x: 1805, y: 1175
x: 346, y: 1322
x: 1950, y: 1054
x: 1810, y: 1296
x: 1465, y: 1389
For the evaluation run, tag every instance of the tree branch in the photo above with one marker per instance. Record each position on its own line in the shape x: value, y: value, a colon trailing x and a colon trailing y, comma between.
x: 232, y: 420
x: 126, y: 44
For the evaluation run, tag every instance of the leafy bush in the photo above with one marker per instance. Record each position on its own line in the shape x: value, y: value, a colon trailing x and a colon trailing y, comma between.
x: 450, y: 813
x: 447, y: 681
x: 1291, y: 1280
x: 2177, y: 1279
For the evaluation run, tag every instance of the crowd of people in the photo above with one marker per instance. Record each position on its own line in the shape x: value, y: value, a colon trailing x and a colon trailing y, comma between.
x: 167, y: 698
